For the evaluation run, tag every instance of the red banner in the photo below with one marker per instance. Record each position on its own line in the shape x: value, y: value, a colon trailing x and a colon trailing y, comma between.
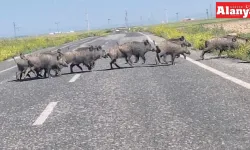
x: 232, y: 9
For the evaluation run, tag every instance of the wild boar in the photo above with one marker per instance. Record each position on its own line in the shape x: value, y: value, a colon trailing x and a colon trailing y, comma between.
x: 46, y: 61
x: 169, y: 48
x: 221, y: 45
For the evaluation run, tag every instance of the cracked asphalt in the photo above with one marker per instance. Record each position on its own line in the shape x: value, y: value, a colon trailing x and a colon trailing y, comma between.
x: 180, y: 107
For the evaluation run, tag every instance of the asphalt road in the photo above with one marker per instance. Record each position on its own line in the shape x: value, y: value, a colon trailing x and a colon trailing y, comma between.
x: 146, y: 107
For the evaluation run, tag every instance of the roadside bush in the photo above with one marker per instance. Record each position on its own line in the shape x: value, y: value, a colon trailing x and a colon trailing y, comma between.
x: 242, y: 53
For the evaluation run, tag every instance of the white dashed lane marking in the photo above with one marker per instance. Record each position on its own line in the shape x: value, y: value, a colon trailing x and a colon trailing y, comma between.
x: 74, y: 78
x: 45, y: 114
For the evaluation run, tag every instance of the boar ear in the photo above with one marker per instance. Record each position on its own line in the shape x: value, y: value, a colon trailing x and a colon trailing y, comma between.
x: 22, y: 56
x: 59, y: 50
x: 98, y: 47
x: 91, y: 48
x: 234, y: 39
x: 145, y: 42
x: 182, y: 38
x: 59, y: 56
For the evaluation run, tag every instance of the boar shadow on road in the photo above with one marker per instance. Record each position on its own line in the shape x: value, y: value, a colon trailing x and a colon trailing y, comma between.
x: 211, y: 58
x: 27, y: 79
x: 145, y: 66
x: 75, y: 72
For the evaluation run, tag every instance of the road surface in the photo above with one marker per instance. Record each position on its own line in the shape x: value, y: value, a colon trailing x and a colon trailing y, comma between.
x: 186, y: 106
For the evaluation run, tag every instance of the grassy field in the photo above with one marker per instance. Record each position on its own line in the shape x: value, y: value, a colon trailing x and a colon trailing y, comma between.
x: 13, y: 47
x: 196, y: 32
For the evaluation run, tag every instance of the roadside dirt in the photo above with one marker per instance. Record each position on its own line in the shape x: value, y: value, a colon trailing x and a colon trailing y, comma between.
x: 240, y: 26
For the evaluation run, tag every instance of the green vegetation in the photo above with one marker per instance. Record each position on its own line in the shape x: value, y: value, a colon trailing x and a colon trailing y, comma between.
x: 13, y: 47
x: 201, y: 22
x: 196, y: 33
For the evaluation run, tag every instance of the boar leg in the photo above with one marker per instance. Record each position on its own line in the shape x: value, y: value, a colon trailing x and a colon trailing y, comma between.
x: 48, y: 71
x: 128, y: 59
x: 89, y: 67
x: 45, y: 72
x: 173, y: 58
x: 204, y: 52
x: 184, y: 56
x: 27, y: 71
x: 136, y: 58
x: 111, y: 63
x: 219, y: 55
x: 71, y: 67
x: 165, y: 58
x: 17, y: 73
x: 78, y: 65
x: 144, y: 59
x: 157, y: 59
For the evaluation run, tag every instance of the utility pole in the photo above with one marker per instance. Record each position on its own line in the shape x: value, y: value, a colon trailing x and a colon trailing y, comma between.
x: 15, y: 29
x: 177, y: 17
x: 14, y: 25
x: 57, y: 23
x: 166, y: 16
x: 211, y: 15
x: 87, y: 20
x: 108, y: 21
x: 141, y: 20
x: 207, y: 13
x: 126, y: 18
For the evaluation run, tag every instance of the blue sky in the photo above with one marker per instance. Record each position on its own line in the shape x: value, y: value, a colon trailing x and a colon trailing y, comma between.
x: 39, y: 16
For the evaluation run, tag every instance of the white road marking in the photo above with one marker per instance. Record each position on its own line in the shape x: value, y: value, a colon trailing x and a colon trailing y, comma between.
x: 74, y: 78
x: 7, y: 69
x: 44, y: 115
x: 150, y: 40
x: 11, y: 59
x: 62, y: 47
x: 219, y: 73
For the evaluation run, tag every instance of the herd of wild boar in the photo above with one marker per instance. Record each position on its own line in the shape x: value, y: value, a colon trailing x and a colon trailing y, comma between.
x: 87, y: 56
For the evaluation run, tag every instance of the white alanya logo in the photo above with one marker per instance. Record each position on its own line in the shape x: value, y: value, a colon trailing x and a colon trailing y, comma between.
x: 233, y: 11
